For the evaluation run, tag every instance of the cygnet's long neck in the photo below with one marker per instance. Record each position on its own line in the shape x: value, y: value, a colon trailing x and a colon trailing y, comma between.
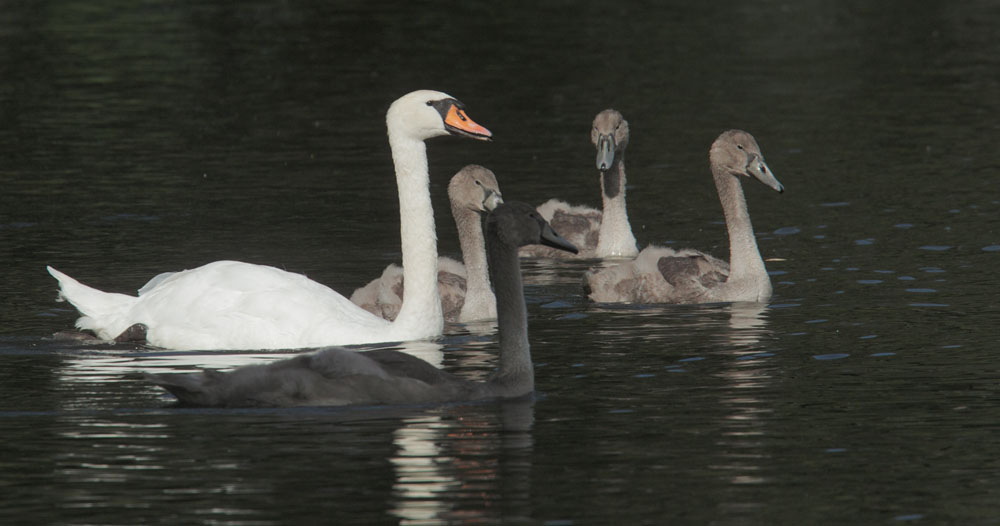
x: 747, y: 275
x: 421, y: 301
x: 480, y: 302
x: 516, y: 374
x: 615, y: 236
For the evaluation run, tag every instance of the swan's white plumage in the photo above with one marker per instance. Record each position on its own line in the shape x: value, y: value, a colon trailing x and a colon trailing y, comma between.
x: 234, y: 305
x: 227, y: 305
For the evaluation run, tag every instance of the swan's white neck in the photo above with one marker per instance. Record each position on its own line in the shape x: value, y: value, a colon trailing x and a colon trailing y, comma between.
x: 516, y: 374
x: 480, y: 303
x: 421, y: 307
x: 615, y: 237
x: 748, y: 279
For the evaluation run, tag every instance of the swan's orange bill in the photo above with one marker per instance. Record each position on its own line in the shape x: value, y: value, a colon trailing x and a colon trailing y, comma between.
x: 458, y: 121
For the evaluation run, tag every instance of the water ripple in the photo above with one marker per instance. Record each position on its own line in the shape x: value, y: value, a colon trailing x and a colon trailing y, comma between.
x: 787, y: 231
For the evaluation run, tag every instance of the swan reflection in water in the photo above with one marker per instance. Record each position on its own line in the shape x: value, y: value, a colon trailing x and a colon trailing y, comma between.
x: 472, y: 464
x: 108, y: 364
x: 747, y: 322
x: 741, y: 449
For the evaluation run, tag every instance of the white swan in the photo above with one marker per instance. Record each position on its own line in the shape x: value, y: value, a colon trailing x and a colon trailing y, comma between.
x: 464, y: 289
x: 665, y: 275
x: 338, y: 376
x: 234, y: 305
x: 602, y: 233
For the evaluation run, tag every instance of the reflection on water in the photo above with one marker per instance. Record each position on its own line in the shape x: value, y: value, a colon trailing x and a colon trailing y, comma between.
x: 419, y: 476
x: 747, y: 319
x: 464, y: 467
x: 747, y: 376
x: 111, y: 365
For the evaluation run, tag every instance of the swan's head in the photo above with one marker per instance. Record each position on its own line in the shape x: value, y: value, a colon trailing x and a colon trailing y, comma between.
x: 610, y: 137
x: 475, y: 188
x: 515, y: 224
x: 424, y: 114
x: 737, y: 153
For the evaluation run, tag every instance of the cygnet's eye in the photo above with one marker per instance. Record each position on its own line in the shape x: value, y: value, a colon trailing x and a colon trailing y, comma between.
x: 740, y: 146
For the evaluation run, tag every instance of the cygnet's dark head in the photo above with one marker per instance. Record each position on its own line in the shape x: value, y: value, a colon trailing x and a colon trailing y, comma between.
x: 515, y: 224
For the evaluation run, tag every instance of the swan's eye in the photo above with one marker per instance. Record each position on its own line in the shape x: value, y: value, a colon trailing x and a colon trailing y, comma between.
x: 430, y: 103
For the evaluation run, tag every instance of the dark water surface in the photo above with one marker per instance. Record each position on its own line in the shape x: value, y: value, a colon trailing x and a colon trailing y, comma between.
x: 139, y: 137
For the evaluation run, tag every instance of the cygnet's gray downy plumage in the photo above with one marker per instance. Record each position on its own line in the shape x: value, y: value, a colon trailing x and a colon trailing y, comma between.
x: 602, y: 233
x: 464, y: 288
x: 338, y: 376
x: 665, y: 275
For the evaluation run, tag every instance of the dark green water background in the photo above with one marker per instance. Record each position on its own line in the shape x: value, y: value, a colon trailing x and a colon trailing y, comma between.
x: 140, y: 137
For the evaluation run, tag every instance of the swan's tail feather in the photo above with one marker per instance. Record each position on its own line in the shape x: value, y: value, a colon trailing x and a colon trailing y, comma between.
x: 103, y: 312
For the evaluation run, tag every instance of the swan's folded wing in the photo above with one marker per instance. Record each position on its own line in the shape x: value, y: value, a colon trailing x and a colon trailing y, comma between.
x: 400, y: 364
x: 702, y: 268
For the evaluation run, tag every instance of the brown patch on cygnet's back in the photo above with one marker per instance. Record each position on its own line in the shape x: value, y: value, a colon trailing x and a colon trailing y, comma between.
x: 574, y: 223
x: 677, y: 270
x: 704, y: 269
x: 452, y: 288
x: 690, y: 276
